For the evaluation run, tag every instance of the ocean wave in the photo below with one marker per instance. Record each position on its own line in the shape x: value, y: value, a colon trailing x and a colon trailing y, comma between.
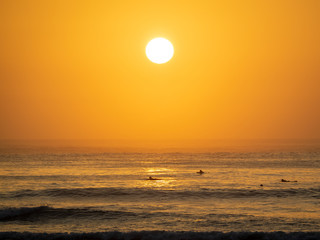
x: 170, y: 194
x: 46, y: 212
x: 159, y: 235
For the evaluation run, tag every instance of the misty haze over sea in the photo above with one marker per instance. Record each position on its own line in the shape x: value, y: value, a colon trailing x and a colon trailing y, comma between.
x: 167, y: 145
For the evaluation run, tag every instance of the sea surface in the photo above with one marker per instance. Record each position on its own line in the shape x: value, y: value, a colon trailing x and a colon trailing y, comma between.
x: 111, y: 192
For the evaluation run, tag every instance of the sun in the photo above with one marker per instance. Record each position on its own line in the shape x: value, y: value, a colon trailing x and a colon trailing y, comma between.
x: 159, y: 50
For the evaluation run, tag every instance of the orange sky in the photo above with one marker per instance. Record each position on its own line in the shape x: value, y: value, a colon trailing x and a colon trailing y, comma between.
x: 78, y: 70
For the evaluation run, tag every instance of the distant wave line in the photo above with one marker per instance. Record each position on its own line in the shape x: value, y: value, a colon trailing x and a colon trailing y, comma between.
x: 152, y: 193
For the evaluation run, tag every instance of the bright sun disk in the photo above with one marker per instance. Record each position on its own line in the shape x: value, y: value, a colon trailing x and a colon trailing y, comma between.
x: 159, y: 50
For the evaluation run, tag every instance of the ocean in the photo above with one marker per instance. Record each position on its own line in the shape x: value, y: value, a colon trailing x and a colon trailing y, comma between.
x: 79, y: 195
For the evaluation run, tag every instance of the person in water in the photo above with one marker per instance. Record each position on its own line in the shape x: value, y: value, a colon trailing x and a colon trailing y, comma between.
x: 200, y: 172
x: 151, y: 178
x: 283, y: 180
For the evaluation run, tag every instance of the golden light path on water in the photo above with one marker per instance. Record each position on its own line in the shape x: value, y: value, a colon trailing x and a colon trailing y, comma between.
x: 157, y: 181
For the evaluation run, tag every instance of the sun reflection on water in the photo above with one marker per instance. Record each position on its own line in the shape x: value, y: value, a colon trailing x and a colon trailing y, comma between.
x: 158, y: 170
x: 159, y: 178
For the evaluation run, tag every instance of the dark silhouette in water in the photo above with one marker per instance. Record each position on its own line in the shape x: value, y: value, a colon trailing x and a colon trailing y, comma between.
x: 151, y: 178
x: 261, y: 185
x: 200, y: 172
x: 283, y: 180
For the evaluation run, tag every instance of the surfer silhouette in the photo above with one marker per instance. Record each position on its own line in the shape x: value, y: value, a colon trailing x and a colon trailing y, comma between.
x: 200, y: 172
x: 283, y: 180
x: 151, y: 178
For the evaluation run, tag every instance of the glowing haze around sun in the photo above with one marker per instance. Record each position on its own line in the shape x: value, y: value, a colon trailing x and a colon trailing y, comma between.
x: 159, y: 50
